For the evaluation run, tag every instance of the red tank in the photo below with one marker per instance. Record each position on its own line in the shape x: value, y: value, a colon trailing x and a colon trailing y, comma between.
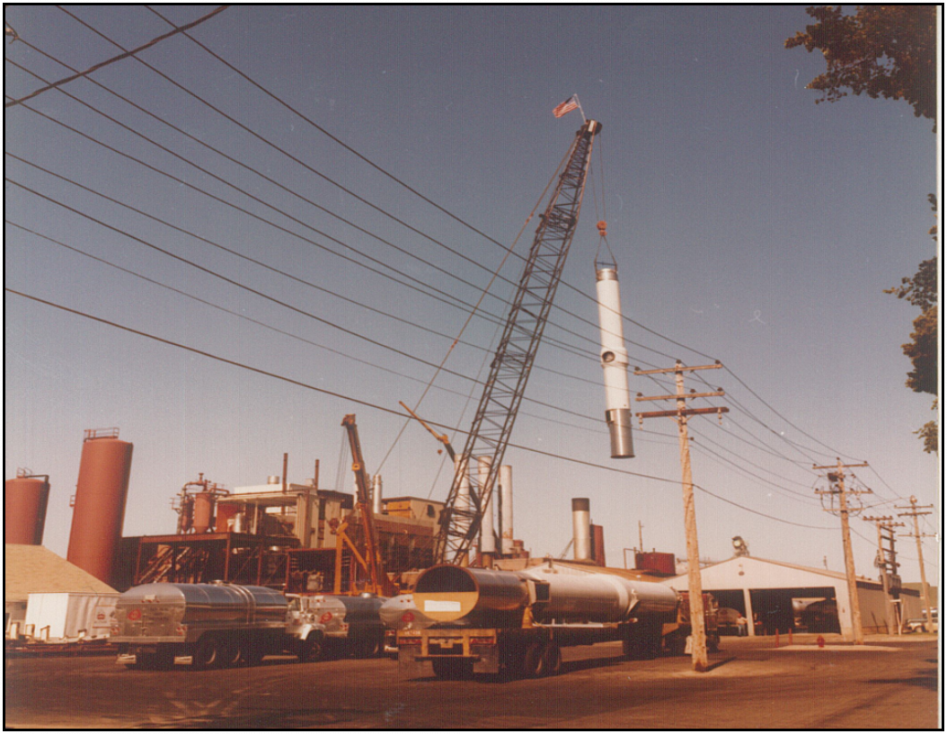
x: 100, y: 502
x: 203, y: 511
x: 24, y: 509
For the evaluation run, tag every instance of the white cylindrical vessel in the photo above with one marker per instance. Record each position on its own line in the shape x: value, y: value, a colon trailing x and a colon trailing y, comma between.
x: 614, y: 359
x: 487, y: 540
x: 462, y: 503
x: 376, y: 494
x: 581, y: 529
x: 506, y: 509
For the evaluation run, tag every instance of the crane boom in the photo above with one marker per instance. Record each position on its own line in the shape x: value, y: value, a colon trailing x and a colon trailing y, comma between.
x: 509, y: 371
x: 370, y: 560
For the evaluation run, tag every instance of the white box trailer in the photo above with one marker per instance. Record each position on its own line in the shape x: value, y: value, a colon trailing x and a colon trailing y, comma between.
x: 69, y: 616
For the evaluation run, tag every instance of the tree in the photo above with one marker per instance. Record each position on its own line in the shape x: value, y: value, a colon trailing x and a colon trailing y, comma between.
x: 884, y: 51
x: 921, y: 291
x: 888, y: 51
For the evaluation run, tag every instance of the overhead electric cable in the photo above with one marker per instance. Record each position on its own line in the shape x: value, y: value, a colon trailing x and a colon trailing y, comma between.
x: 328, y: 179
x: 299, y: 383
x: 112, y: 60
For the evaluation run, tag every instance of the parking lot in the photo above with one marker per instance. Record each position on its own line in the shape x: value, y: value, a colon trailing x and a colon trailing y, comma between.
x: 890, y: 683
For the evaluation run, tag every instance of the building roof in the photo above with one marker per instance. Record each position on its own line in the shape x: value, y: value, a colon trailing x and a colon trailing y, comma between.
x: 28, y: 569
x: 716, y: 573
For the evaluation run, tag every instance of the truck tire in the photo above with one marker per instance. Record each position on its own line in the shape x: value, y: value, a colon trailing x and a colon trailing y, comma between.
x: 164, y: 658
x: 310, y: 649
x: 207, y: 654
x: 552, y: 660
x: 534, y: 661
x: 230, y: 652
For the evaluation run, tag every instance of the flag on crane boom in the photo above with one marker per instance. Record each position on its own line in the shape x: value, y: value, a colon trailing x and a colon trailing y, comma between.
x: 570, y: 104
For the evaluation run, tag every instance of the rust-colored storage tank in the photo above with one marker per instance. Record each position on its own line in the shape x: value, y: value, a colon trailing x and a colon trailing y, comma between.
x: 203, y: 511
x: 224, y: 513
x: 100, y: 502
x: 24, y: 508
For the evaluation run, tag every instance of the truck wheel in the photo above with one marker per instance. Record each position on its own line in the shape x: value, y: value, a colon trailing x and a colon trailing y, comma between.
x: 534, y: 661
x: 310, y: 649
x: 552, y: 659
x: 208, y: 653
x: 452, y: 668
x: 229, y: 651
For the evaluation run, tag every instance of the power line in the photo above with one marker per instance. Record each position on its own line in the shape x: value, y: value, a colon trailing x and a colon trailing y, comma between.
x: 656, y: 333
x: 332, y: 393
x: 117, y: 58
x: 464, y: 223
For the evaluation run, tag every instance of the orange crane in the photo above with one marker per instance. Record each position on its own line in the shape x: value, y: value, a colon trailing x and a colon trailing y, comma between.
x: 368, y: 558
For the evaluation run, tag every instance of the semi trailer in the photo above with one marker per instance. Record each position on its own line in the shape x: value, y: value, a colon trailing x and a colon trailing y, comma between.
x: 473, y: 620
x: 215, y: 625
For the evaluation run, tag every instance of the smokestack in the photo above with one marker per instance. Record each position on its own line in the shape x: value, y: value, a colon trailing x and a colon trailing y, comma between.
x: 376, y: 494
x: 614, y: 362
x: 581, y: 529
x: 488, y: 545
x: 506, y: 509
x: 598, y: 544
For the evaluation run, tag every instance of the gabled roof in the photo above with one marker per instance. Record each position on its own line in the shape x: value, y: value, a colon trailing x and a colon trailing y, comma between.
x: 28, y: 569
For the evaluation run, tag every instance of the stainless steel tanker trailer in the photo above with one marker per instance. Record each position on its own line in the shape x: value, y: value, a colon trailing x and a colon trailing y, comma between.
x: 217, y: 624
x: 350, y: 624
x: 472, y: 620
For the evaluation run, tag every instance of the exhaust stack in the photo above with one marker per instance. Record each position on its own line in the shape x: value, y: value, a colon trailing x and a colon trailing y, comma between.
x: 614, y: 358
x: 581, y: 529
x: 506, y: 509
x: 488, y: 546
x: 377, y: 507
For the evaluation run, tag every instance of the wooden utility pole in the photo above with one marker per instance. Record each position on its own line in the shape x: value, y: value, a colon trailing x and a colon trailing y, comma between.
x: 888, y: 565
x: 925, y: 590
x: 695, y: 590
x: 837, y: 481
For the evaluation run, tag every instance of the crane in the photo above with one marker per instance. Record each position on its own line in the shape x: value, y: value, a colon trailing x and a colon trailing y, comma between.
x: 504, y: 388
x: 370, y: 558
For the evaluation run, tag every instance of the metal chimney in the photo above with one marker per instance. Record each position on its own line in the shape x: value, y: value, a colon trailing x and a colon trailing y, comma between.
x: 376, y: 494
x: 614, y: 359
x: 581, y: 529
x: 488, y: 545
x: 506, y: 509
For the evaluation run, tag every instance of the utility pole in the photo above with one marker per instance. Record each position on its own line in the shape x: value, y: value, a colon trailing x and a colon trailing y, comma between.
x: 695, y: 591
x: 640, y: 537
x: 837, y: 481
x: 925, y: 590
x: 888, y: 565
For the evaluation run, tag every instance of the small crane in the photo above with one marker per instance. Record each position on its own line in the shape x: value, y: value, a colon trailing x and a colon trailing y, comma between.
x: 370, y: 559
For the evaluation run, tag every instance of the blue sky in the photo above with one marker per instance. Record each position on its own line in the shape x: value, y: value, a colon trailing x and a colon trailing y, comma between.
x: 750, y: 225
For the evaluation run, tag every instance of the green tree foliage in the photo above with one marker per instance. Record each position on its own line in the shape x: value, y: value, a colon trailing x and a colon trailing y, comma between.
x: 884, y: 51
x: 888, y: 51
x: 921, y: 291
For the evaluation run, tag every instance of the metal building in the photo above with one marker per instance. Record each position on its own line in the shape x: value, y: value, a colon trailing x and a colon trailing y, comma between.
x: 775, y: 595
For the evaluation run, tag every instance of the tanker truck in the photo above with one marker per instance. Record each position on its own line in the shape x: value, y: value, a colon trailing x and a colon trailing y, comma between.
x: 216, y: 625
x: 350, y: 624
x: 473, y: 620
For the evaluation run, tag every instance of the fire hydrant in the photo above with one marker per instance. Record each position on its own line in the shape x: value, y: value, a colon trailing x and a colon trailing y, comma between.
x: 820, y: 641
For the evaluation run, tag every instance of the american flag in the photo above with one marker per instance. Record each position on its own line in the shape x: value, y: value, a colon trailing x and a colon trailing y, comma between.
x: 570, y: 104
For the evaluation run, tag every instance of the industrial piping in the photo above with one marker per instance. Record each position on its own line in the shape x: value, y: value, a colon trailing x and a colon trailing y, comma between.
x: 614, y: 359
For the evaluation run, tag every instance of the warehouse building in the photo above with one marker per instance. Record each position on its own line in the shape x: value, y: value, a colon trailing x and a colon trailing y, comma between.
x: 782, y: 596
x: 37, y: 571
